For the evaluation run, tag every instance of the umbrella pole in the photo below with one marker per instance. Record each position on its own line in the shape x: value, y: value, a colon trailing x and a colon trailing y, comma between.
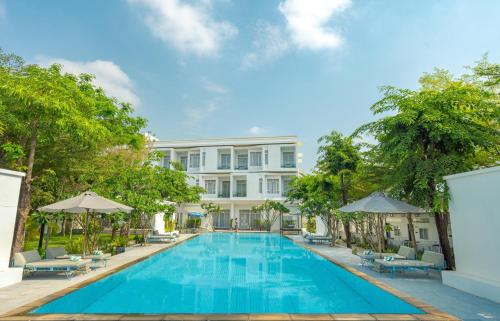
x: 85, y: 231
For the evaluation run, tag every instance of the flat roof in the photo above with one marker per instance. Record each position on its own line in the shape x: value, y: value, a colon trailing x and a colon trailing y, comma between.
x: 475, y: 172
x: 227, y: 141
x: 11, y: 173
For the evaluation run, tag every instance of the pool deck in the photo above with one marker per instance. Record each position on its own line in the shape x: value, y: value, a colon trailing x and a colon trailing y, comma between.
x: 426, y: 288
x: 422, y: 291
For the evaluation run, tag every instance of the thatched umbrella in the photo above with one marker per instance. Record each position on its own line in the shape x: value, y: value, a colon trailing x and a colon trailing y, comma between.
x: 378, y: 203
x: 85, y: 203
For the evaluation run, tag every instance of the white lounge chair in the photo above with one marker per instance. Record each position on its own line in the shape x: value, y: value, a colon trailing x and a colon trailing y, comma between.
x: 60, y: 253
x: 404, y: 253
x: 430, y: 261
x: 32, y: 262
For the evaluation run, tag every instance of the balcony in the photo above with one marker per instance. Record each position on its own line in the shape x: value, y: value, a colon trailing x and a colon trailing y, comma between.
x: 224, y: 195
x: 241, y: 167
x: 224, y: 167
x: 288, y: 165
x: 240, y: 194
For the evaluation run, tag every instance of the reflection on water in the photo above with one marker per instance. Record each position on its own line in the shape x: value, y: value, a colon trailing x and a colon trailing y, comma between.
x: 231, y: 273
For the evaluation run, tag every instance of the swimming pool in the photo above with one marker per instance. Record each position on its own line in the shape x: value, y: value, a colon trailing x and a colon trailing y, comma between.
x: 231, y: 273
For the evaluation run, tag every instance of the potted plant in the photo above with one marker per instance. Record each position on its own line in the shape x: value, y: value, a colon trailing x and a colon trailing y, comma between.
x: 120, y: 244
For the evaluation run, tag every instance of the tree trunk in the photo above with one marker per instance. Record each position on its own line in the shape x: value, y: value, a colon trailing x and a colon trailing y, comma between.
x: 63, y: 227
x: 380, y: 234
x: 71, y: 229
x: 347, y: 225
x: 24, y: 205
x: 40, y: 238
x: 442, y: 219
x: 47, y: 238
x: 411, y: 231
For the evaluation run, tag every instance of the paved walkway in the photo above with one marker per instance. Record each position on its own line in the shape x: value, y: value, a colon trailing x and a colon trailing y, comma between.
x: 428, y: 289
x: 44, y: 284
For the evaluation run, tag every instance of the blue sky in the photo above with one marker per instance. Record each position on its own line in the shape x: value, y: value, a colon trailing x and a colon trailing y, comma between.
x: 214, y: 68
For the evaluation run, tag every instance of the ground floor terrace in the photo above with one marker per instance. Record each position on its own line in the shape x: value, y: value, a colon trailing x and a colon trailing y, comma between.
x: 423, y: 291
x: 238, y: 214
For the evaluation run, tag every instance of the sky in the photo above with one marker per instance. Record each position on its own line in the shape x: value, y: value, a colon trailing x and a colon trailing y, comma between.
x: 230, y: 68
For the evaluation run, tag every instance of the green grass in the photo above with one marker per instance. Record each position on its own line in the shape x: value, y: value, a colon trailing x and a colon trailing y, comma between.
x: 57, y: 240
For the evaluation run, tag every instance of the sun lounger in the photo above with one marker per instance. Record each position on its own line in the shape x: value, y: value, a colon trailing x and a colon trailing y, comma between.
x: 313, y: 238
x: 404, y: 253
x: 32, y: 262
x: 430, y: 261
x: 60, y: 253
x: 162, y: 238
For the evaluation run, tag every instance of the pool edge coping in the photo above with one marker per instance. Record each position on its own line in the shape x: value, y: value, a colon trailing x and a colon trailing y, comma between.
x: 431, y: 313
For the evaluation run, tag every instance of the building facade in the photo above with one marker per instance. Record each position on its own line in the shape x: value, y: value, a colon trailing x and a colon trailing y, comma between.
x: 237, y: 174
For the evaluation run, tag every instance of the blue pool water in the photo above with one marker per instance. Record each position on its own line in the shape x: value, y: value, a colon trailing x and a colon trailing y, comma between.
x: 231, y: 273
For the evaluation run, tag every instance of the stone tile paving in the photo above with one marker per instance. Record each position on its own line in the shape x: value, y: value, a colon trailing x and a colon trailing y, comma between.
x: 428, y: 289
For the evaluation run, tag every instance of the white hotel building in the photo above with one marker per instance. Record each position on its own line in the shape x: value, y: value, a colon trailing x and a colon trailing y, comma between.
x: 237, y: 174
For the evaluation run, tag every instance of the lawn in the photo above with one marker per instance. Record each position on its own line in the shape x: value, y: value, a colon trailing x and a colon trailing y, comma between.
x: 58, y: 240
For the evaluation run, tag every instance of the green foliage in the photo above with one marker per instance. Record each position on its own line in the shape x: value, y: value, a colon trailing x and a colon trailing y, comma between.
x: 270, y: 211
x: 193, y: 222
x: 74, y: 246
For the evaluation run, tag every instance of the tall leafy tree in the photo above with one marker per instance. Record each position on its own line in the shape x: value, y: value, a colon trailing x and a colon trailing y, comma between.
x: 434, y: 131
x: 318, y: 195
x: 56, y: 121
x: 270, y: 211
x: 339, y: 156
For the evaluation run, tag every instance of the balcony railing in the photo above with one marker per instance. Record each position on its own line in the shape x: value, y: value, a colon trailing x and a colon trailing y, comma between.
x: 224, y: 167
x: 240, y: 194
x: 224, y: 195
x: 288, y: 165
x: 242, y: 167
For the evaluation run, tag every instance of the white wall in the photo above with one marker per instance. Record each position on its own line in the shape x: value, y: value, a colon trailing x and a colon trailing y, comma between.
x: 10, y: 182
x: 475, y: 223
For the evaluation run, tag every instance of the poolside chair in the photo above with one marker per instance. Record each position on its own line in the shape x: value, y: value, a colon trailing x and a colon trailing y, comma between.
x: 317, y: 238
x: 430, y: 261
x: 156, y: 237
x: 60, y: 253
x: 404, y: 253
x: 32, y: 262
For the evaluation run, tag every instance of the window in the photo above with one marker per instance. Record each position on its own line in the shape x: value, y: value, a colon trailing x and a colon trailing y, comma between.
x: 242, y: 161
x: 424, y: 233
x: 225, y: 188
x: 260, y: 185
x: 266, y: 157
x: 203, y: 157
x: 397, y: 231
x: 184, y: 162
x: 194, y: 161
x: 210, y: 187
x: 273, y: 186
x: 288, y: 159
x: 255, y: 158
x: 241, y: 188
x: 225, y: 161
x: 166, y: 161
x: 286, y: 185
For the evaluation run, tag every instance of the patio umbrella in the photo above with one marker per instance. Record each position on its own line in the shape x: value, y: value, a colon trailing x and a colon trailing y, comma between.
x: 85, y: 203
x: 378, y: 203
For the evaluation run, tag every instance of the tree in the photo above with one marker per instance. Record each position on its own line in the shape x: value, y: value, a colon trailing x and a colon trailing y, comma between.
x: 339, y: 156
x: 211, y: 209
x: 55, y: 121
x: 270, y: 211
x: 318, y: 195
x: 435, y: 131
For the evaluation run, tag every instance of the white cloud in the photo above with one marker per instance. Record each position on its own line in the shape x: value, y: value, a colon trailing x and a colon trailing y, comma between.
x: 307, y: 22
x: 194, y: 116
x: 256, y: 130
x: 269, y: 45
x: 213, y: 87
x: 108, y: 75
x: 188, y: 27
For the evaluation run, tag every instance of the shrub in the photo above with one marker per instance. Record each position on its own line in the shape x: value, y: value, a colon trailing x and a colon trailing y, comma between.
x: 193, y: 223
x: 74, y: 246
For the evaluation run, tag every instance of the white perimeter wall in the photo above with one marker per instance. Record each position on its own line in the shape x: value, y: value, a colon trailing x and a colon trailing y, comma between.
x: 475, y: 224
x: 10, y: 182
